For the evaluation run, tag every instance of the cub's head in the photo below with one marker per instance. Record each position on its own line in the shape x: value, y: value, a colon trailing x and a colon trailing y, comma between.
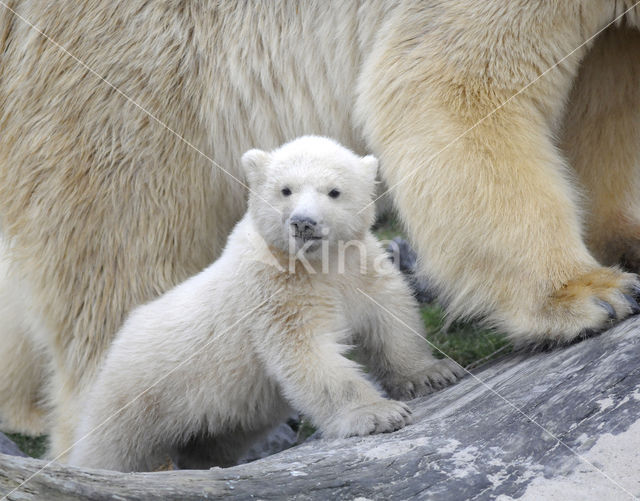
x: 310, y: 191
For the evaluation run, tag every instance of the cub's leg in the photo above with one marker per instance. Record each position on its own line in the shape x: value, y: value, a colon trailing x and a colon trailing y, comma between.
x: 134, y: 412
x: 483, y: 191
x: 391, y: 333
x: 306, y: 359
x: 602, y: 141
x: 121, y: 435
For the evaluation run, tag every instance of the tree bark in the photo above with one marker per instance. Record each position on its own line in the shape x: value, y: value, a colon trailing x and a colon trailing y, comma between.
x: 562, y: 423
x: 7, y: 446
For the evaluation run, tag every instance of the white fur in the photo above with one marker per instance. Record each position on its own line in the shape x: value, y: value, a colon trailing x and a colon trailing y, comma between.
x: 259, y: 337
x: 515, y: 222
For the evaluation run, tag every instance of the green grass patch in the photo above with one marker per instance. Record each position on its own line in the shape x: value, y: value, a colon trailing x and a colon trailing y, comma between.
x: 466, y: 343
x: 31, y: 446
x: 388, y: 227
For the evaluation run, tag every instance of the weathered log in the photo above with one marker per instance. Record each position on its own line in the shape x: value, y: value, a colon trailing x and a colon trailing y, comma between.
x: 8, y: 446
x: 563, y: 423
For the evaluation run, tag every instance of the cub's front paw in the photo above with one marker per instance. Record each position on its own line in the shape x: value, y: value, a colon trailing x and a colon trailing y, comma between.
x: 380, y: 416
x: 432, y: 376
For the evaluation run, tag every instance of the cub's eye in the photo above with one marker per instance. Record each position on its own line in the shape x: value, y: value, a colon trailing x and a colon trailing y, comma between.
x: 285, y: 191
x: 334, y: 193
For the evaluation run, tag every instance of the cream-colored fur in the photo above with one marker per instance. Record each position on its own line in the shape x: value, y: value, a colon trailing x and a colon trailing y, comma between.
x: 106, y: 209
x: 222, y: 356
x: 605, y: 150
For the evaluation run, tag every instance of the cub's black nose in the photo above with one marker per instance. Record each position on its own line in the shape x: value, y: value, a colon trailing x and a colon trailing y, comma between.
x: 303, y: 226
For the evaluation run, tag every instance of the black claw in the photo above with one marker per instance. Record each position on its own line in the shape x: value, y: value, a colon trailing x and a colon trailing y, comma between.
x: 609, y: 308
x: 635, y: 307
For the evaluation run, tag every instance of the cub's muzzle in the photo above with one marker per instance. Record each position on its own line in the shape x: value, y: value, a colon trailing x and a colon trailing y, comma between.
x: 304, y: 227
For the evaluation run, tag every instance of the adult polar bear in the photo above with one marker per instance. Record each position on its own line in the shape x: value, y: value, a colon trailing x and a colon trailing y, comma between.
x: 104, y: 208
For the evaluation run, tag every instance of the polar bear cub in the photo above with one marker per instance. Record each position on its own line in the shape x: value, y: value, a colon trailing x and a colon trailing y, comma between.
x: 214, y: 363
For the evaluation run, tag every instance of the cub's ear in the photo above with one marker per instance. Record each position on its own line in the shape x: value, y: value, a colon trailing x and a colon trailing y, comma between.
x: 253, y: 163
x: 370, y: 164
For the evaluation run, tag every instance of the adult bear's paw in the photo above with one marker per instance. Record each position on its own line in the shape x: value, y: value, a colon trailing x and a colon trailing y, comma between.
x: 588, y: 304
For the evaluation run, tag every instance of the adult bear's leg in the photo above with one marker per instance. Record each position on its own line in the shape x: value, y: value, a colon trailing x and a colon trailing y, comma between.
x: 104, y: 207
x: 23, y: 362
x: 602, y: 140
x: 480, y: 185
